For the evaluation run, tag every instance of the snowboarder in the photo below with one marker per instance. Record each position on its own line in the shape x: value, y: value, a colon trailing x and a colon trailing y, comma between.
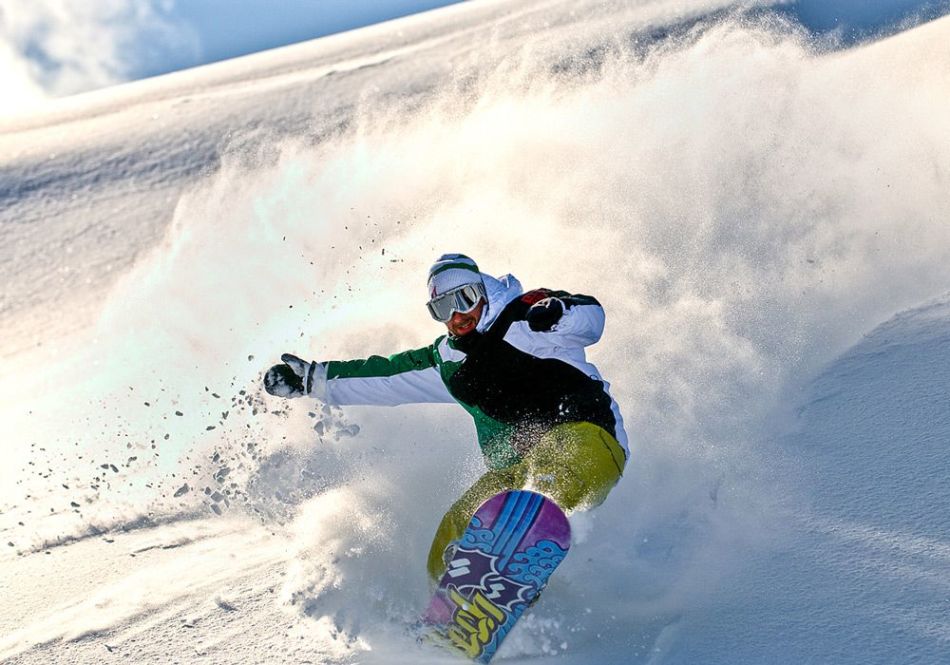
x: 515, y: 361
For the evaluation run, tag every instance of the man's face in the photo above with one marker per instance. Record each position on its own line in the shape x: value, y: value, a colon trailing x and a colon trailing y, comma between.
x: 462, y: 324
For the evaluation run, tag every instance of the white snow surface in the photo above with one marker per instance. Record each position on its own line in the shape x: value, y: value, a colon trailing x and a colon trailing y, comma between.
x: 764, y: 218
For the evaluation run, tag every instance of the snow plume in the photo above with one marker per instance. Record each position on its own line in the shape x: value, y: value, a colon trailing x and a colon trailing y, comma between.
x: 743, y: 204
x: 51, y: 48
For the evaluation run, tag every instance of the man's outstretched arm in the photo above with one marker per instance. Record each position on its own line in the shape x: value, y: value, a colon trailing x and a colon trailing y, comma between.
x: 409, y: 377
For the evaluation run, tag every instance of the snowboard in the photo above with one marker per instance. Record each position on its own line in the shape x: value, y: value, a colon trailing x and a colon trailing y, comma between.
x: 512, y: 545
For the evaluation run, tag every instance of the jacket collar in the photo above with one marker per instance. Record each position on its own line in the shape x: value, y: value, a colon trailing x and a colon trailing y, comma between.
x: 501, y: 291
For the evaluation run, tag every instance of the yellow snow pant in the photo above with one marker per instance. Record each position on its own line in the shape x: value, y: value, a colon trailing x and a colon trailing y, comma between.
x: 575, y: 464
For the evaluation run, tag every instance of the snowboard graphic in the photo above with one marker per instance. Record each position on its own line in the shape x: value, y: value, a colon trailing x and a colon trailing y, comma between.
x: 512, y: 544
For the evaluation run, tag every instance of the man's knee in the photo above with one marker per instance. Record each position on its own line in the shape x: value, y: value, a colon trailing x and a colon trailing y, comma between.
x: 579, y: 462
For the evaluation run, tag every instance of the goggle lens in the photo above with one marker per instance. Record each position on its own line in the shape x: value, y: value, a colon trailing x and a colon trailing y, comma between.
x: 462, y: 300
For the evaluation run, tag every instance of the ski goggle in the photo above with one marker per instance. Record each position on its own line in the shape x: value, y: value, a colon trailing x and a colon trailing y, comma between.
x: 462, y: 299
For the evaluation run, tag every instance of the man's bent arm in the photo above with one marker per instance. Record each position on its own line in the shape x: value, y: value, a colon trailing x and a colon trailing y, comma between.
x: 582, y: 322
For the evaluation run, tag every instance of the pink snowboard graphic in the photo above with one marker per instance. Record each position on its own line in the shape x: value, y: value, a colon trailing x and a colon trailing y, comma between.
x: 513, y: 543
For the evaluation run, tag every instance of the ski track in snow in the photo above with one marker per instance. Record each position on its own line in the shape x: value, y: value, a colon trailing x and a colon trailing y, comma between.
x: 766, y: 230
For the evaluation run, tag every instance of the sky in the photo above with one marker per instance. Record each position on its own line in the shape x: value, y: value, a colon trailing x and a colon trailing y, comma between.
x: 54, y: 48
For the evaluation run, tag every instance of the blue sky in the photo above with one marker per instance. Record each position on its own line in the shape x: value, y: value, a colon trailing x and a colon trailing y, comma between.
x: 53, y: 48
x: 229, y: 28
x: 226, y: 32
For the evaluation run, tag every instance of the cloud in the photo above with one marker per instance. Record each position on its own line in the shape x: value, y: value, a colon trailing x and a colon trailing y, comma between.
x: 53, y: 48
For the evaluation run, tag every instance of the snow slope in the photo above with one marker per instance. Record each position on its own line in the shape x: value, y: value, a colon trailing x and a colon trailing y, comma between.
x: 764, y: 220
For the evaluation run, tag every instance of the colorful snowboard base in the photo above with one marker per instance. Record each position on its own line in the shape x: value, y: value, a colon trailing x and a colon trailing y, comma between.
x: 512, y: 545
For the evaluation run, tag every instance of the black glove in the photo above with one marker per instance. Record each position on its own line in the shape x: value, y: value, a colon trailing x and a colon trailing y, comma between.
x: 296, y: 378
x: 544, y: 314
